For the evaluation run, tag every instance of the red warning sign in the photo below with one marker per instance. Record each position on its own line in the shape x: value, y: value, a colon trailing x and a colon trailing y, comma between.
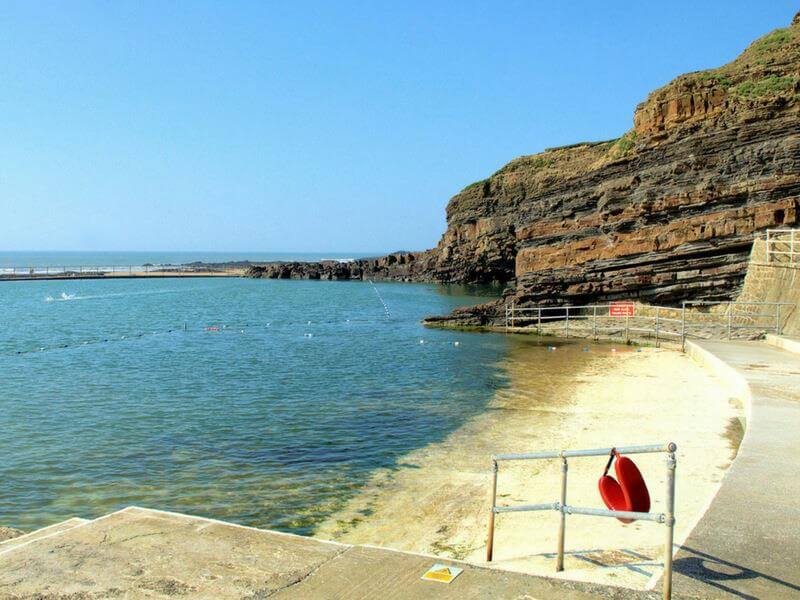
x: 621, y: 309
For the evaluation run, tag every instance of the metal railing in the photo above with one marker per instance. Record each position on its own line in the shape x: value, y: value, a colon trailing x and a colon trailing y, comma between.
x: 666, y: 518
x: 660, y: 323
x: 36, y: 271
x: 783, y: 246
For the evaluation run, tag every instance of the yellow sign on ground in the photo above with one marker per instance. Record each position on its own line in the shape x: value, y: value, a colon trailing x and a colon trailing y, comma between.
x: 441, y: 573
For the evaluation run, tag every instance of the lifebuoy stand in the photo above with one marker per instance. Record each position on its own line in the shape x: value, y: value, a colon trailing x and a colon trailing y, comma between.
x: 626, y: 480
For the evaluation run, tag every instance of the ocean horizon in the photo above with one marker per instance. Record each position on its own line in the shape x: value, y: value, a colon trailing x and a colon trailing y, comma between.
x: 42, y: 259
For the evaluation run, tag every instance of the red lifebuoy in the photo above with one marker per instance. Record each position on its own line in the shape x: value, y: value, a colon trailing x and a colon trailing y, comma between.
x: 628, y: 492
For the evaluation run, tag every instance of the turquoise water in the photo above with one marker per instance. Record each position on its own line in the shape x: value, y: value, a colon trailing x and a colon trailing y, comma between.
x: 265, y: 403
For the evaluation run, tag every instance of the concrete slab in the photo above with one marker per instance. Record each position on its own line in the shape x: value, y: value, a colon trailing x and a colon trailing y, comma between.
x: 6, y: 545
x: 141, y: 553
x: 747, y: 545
x: 363, y: 573
x: 790, y: 344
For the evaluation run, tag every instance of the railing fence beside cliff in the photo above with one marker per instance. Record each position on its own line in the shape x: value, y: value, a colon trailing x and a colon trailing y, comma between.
x: 626, y: 321
x: 783, y: 246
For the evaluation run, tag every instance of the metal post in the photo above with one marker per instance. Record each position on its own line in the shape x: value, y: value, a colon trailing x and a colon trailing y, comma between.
x: 670, y: 523
x: 657, y: 324
x: 490, y: 538
x: 539, y: 321
x: 778, y: 325
x: 512, y: 314
x: 566, y: 324
x: 768, y: 246
x: 683, y: 326
x: 627, y: 329
x: 506, y: 307
x: 791, y: 247
x: 594, y: 322
x: 730, y: 318
x: 563, y: 524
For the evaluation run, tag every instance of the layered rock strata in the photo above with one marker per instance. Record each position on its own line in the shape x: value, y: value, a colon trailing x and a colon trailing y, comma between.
x: 667, y: 212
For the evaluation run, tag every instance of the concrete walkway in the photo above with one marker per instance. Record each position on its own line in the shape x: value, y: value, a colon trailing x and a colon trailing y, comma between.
x: 747, y: 545
x: 142, y: 553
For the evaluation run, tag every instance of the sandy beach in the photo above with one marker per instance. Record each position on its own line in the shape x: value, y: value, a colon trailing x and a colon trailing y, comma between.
x: 437, y: 502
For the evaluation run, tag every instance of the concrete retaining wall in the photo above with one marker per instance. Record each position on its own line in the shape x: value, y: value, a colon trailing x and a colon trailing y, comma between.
x: 773, y: 282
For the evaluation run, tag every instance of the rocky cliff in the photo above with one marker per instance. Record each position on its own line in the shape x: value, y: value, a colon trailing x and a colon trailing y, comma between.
x: 666, y: 212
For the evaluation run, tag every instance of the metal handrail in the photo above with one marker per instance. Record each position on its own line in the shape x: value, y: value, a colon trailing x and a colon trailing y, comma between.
x: 656, y: 323
x: 56, y: 269
x: 666, y: 518
x: 778, y: 245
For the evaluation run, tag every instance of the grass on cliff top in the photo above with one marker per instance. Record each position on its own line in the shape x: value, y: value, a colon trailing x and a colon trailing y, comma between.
x: 772, y: 41
x: 719, y: 79
x: 474, y: 184
x: 768, y: 87
x: 532, y: 162
x: 623, y: 146
x: 766, y: 69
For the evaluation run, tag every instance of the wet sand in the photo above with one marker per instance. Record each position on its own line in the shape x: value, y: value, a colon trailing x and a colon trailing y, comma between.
x: 437, y: 502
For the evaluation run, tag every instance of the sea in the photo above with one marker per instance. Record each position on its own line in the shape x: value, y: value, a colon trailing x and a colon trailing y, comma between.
x: 54, y: 261
x: 263, y: 402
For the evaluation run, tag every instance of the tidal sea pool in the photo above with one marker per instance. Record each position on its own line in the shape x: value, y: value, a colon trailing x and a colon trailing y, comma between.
x: 262, y: 402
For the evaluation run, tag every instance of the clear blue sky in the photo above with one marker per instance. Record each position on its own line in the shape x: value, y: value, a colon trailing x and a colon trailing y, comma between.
x: 313, y: 126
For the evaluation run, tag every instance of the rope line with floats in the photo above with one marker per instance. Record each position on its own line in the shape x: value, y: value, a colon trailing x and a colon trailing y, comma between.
x: 383, y: 302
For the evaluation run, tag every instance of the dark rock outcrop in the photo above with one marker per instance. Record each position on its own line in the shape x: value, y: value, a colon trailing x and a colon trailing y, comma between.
x: 400, y: 266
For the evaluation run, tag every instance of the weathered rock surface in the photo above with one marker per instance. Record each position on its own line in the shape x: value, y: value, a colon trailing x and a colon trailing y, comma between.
x: 665, y: 213
x: 9, y: 533
x: 400, y: 266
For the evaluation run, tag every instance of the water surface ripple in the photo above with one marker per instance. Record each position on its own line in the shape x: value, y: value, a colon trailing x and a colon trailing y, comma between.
x: 266, y: 403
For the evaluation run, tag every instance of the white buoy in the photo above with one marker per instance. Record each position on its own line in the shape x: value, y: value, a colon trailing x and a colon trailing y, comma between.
x: 422, y: 341
x: 456, y: 343
x: 309, y: 322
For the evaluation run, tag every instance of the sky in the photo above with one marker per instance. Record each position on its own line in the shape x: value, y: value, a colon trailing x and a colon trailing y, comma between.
x: 314, y: 126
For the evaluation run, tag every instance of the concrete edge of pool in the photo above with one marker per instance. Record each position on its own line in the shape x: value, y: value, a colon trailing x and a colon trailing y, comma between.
x: 140, y: 552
